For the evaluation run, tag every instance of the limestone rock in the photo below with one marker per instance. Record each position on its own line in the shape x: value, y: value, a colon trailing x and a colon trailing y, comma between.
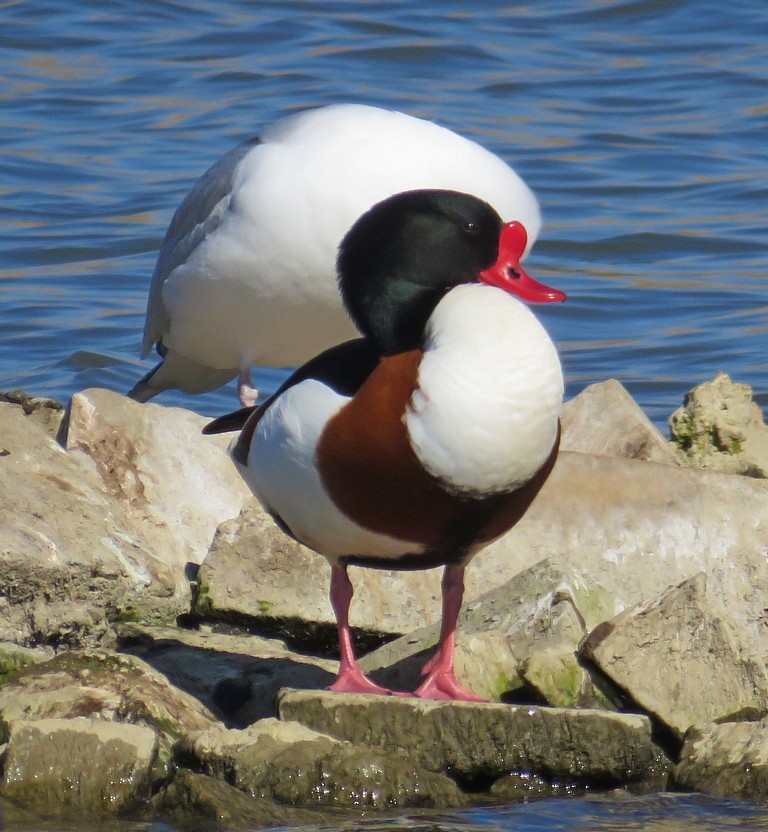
x: 604, y: 419
x: 236, y: 677
x: 681, y: 658
x: 155, y: 460
x: 298, y: 766
x: 729, y: 760
x: 255, y: 571
x: 47, y: 413
x: 575, y: 745
x: 106, y: 686
x: 641, y: 527
x: 78, y: 766
x: 548, y: 607
x: 71, y: 557
x: 719, y: 426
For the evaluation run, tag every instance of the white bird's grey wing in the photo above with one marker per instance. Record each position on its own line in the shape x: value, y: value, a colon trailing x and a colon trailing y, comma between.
x: 200, y: 213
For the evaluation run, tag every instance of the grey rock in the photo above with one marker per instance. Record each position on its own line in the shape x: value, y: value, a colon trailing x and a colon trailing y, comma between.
x: 81, y: 766
x: 576, y: 745
x: 605, y: 420
x: 682, y: 659
x: 729, y: 760
x: 719, y: 426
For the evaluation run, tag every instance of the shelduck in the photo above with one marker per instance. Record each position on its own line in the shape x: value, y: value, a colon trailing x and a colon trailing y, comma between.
x: 419, y: 443
x: 246, y: 272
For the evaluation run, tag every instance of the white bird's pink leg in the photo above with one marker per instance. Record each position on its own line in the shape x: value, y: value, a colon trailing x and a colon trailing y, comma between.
x: 246, y: 392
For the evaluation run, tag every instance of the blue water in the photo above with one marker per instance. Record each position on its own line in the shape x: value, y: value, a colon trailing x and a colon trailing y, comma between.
x: 642, y: 125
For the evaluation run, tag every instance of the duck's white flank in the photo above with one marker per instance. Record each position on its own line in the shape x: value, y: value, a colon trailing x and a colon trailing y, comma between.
x: 484, y: 415
x: 269, y: 257
x: 282, y: 473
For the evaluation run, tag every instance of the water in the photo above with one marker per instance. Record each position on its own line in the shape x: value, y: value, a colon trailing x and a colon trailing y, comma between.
x: 642, y: 125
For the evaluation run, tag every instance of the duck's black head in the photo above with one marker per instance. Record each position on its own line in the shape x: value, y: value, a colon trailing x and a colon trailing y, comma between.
x: 400, y: 258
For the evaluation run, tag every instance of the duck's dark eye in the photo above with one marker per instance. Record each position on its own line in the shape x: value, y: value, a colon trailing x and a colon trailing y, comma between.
x: 513, y: 274
x: 469, y: 227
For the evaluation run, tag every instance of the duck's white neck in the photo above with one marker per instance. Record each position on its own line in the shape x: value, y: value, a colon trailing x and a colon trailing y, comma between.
x: 483, y: 418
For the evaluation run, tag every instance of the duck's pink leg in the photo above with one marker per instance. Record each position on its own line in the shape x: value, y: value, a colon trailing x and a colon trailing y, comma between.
x: 351, y: 678
x: 440, y: 681
x: 246, y: 392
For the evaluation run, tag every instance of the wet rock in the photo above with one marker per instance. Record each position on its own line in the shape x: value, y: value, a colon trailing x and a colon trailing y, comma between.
x: 719, y: 426
x: 13, y: 658
x: 80, y: 766
x: 574, y: 745
x: 524, y: 633
x: 682, y: 659
x: 294, y: 765
x: 105, y: 686
x: 729, y: 760
x: 605, y: 420
x: 235, y: 676
x: 215, y: 803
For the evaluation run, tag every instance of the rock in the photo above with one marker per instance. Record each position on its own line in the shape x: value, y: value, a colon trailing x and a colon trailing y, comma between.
x: 47, y: 413
x: 729, y: 760
x: 71, y: 557
x: 105, y: 686
x: 641, y: 527
x: 192, y: 795
x: 156, y: 460
x: 680, y: 657
x: 236, y: 677
x: 483, y: 742
x: 80, y: 766
x: 13, y: 658
x: 638, y: 525
x: 297, y: 766
x: 719, y: 426
x: 254, y: 571
x: 605, y: 420
x: 504, y: 636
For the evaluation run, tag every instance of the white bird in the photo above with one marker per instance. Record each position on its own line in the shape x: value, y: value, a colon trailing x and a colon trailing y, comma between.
x: 246, y: 274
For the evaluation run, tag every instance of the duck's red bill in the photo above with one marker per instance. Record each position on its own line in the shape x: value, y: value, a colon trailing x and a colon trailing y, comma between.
x: 507, y: 274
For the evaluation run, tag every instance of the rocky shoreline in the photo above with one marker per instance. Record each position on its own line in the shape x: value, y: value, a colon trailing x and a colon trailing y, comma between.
x: 164, y: 648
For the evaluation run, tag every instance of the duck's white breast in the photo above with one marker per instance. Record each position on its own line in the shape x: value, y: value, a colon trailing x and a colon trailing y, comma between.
x: 484, y: 416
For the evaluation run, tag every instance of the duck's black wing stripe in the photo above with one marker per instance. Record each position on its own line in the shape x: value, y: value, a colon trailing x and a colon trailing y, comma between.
x: 343, y: 368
